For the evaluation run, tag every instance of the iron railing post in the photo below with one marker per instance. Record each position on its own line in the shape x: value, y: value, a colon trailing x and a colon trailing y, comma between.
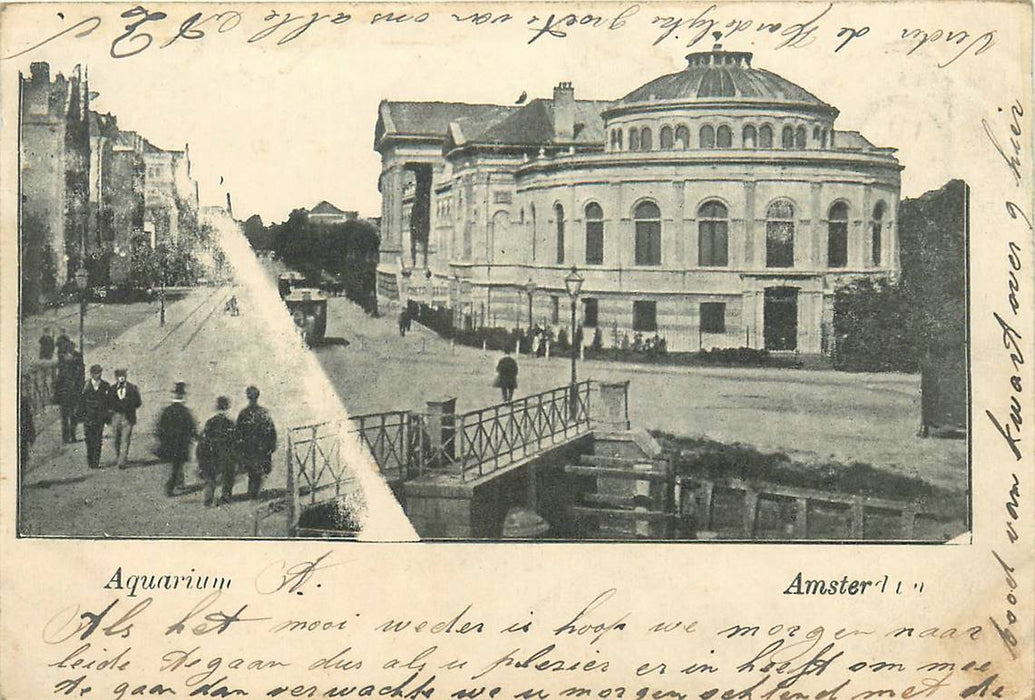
x: 292, y: 489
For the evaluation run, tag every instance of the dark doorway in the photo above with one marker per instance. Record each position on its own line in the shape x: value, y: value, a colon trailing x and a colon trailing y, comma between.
x: 781, y: 318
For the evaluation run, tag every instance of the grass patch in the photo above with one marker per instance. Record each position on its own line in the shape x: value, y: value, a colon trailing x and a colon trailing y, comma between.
x: 718, y: 461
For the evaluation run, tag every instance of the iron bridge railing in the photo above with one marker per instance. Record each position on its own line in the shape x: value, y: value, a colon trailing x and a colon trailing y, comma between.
x: 407, y: 444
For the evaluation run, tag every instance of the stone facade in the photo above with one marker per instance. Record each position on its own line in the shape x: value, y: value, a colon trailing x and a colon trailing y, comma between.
x: 715, y: 207
x: 92, y: 190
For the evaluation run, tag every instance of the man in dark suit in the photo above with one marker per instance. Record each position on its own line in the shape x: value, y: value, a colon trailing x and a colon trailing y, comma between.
x: 256, y: 438
x: 46, y: 345
x: 216, y: 453
x: 94, y: 407
x: 125, y: 400
x: 175, y: 433
x: 71, y: 379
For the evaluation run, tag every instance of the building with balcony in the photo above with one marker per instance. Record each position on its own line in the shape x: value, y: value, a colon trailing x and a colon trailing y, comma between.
x: 719, y: 206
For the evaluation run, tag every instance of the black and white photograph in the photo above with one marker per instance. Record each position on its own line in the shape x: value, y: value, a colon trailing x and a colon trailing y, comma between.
x: 704, y: 289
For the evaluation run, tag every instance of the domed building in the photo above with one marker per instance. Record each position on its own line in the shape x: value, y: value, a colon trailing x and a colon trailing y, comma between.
x: 718, y: 206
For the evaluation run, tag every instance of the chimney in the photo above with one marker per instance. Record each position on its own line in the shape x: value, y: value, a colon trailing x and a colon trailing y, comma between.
x: 564, y: 112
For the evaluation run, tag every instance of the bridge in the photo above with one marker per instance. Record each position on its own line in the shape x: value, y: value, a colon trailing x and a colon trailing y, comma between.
x: 563, y: 463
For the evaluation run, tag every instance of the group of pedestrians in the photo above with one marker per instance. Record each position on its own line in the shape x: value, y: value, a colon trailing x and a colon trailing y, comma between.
x: 224, y: 446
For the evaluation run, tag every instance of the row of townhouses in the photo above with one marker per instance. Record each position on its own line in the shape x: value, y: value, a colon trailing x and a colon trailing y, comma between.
x: 90, y: 191
x: 720, y: 205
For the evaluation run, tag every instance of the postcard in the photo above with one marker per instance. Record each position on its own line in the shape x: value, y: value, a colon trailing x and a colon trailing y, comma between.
x: 522, y: 350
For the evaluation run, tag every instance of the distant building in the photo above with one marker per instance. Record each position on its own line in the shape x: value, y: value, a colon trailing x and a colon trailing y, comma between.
x: 327, y: 213
x: 91, y: 192
x: 715, y: 206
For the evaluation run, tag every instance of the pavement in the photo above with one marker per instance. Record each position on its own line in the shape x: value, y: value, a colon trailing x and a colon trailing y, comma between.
x: 812, y: 415
x: 216, y: 354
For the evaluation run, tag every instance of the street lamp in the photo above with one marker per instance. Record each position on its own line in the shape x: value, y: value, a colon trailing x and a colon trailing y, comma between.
x: 573, y: 283
x: 530, y: 290
x: 160, y: 250
x: 81, y: 280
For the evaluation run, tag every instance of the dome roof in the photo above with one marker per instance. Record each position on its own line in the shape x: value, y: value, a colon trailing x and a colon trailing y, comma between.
x: 723, y: 76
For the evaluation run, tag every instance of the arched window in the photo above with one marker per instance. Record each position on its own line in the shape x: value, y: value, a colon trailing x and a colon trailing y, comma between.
x: 815, y: 133
x: 749, y: 138
x: 634, y: 139
x: 765, y: 137
x: 645, y: 140
x: 824, y: 138
x: 876, y: 226
x: 531, y: 216
x: 779, y: 234
x: 837, y: 235
x: 712, y: 235
x: 724, y: 137
x: 799, y: 138
x: 648, y: 233
x: 594, y: 234
x: 619, y: 133
x: 558, y: 211
x: 666, y: 138
x: 788, y: 137
x: 614, y: 139
x: 707, y: 137
x: 683, y: 137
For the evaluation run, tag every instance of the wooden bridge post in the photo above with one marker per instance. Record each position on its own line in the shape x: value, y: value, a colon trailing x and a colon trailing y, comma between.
x: 908, y: 523
x: 858, y: 520
x: 750, y: 512
x: 801, y: 518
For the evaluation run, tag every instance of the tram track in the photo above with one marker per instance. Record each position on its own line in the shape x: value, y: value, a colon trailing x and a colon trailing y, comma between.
x: 207, y: 299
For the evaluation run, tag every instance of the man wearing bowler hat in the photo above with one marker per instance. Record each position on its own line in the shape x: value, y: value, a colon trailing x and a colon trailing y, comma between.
x: 94, y: 409
x: 125, y: 400
x: 175, y: 432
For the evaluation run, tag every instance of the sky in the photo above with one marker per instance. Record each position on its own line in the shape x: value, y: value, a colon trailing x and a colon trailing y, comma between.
x: 288, y: 126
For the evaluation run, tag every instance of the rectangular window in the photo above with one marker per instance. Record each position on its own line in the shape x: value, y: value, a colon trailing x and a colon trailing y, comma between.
x: 645, y: 316
x: 555, y: 309
x: 648, y: 242
x: 589, y: 313
x: 713, y: 244
x: 779, y: 243
x: 501, y: 197
x: 713, y: 317
x: 837, y: 244
x: 594, y: 242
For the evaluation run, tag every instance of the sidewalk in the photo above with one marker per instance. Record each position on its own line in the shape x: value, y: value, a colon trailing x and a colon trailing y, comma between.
x: 216, y: 354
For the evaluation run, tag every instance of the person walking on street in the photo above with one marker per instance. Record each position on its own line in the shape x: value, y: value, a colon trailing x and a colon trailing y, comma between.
x: 216, y: 453
x: 125, y: 400
x: 506, y: 375
x: 27, y: 432
x: 404, y: 321
x: 94, y: 409
x: 175, y: 432
x: 46, y: 345
x: 70, y: 383
x: 256, y: 438
x: 64, y: 343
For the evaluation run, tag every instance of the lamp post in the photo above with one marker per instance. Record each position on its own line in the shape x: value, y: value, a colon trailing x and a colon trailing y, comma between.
x: 81, y: 280
x: 160, y: 251
x: 573, y: 283
x: 530, y: 290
